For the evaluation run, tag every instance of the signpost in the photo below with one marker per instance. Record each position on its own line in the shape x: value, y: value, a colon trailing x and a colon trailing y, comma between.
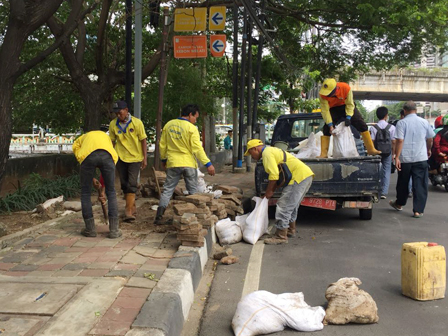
x: 190, y: 19
x: 217, y: 45
x: 217, y: 18
x: 193, y: 46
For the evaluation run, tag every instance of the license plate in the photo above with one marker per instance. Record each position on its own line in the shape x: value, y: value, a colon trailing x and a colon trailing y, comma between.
x: 322, y: 203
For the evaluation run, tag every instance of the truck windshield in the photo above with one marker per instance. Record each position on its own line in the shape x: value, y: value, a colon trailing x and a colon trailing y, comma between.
x: 303, y: 128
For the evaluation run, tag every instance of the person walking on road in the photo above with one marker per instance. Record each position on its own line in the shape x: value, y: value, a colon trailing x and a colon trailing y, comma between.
x: 337, y: 105
x: 292, y: 194
x: 129, y: 138
x: 94, y: 150
x: 383, y: 135
x: 413, y: 147
x: 180, y: 147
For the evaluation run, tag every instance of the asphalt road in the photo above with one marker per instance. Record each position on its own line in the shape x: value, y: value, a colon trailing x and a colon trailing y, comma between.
x: 332, y: 245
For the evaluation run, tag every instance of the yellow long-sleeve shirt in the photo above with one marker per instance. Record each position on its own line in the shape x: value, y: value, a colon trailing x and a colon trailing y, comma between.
x: 180, y: 145
x: 90, y: 142
x: 273, y: 156
x: 343, y: 96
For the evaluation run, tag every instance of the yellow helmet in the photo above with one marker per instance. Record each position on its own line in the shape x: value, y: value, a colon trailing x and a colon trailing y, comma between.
x: 328, y: 86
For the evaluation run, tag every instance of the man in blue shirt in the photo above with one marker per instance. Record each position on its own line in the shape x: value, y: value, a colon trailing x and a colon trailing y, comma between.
x: 413, y: 147
x: 228, y: 140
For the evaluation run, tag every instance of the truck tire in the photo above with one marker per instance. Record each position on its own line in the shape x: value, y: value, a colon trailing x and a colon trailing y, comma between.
x: 365, y: 214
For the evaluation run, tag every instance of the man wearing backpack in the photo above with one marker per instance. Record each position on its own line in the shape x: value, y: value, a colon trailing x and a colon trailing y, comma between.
x: 383, y: 135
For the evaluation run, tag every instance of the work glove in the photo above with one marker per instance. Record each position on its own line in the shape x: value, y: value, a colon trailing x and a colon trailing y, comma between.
x: 347, y: 122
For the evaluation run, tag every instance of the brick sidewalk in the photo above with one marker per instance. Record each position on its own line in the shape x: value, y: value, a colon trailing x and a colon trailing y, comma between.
x: 139, y: 257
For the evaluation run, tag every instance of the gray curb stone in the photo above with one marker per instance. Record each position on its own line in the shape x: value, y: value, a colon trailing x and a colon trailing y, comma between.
x: 190, y: 261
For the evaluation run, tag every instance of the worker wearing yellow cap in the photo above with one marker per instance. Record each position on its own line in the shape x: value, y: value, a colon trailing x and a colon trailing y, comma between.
x: 292, y: 194
x: 336, y: 103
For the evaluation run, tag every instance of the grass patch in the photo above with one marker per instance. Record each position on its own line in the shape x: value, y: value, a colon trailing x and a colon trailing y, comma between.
x: 37, y: 189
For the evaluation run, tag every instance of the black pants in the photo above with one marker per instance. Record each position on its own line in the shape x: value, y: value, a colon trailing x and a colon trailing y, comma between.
x: 103, y: 160
x: 128, y: 173
x: 419, y: 173
x: 338, y: 113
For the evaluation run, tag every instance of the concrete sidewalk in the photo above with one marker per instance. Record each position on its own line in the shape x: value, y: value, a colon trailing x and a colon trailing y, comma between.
x: 56, y: 282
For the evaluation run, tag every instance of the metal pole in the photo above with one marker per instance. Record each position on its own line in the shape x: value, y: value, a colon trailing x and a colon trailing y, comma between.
x: 249, y: 91
x: 242, y: 82
x: 128, y: 53
x: 235, y: 83
x: 138, y: 60
x: 161, y: 85
x: 258, y: 73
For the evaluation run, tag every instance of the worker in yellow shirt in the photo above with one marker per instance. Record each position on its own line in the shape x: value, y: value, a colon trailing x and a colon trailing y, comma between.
x: 337, y: 105
x: 180, y: 148
x: 292, y: 194
x: 94, y: 150
x: 129, y: 138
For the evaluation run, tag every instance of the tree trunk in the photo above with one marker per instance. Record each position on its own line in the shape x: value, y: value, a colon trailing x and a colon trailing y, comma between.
x: 6, y: 90
x: 93, y: 99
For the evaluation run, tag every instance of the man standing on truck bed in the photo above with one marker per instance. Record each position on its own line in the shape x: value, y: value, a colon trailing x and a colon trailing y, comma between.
x: 292, y: 194
x: 336, y: 103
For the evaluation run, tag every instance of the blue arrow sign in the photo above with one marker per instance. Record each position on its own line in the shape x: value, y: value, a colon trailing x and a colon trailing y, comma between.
x: 218, y: 46
x: 217, y: 18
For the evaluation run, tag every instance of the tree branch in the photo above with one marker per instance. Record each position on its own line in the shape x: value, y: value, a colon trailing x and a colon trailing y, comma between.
x: 101, y: 33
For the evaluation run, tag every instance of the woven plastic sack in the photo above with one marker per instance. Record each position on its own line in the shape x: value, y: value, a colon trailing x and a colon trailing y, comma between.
x: 228, y: 232
x: 344, y: 145
x: 310, y: 150
x: 262, y: 312
x: 257, y: 222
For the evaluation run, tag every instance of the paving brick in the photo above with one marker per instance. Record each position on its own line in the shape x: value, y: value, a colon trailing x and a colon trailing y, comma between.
x: 133, y: 258
x: 68, y: 241
x: 17, y: 257
x: 72, y: 255
x: 129, y: 267
x: 121, y: 314
x: 108, y: 243
x: 61, y: 260
x: 109, y: 258
x: 164, y: 253
x: 134, y: 292
x: 46, y: 238
x: 120, y: 273
x: 99, y: 249
x: 84, y: 260
x: 66, y: 274
x: 6, y: 266
x: 9, y: 273
x: 24, y: 268
x: 76, y: 249
x: 40, y: 273
x: 75, y: 267
x: 129, y: 302
x: 158, y: 262
x: 50, y: 267
x: 108, y: 327
x: 94, y: 272
x: 85, y: 243
x: 37, y: 260
x: 141, y: 283
x: 101, y: 265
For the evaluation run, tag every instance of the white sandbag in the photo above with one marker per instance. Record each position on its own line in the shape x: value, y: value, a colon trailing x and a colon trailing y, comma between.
x: 201, y: 182
x: 262, y: 312
x: 344, y: 145
x: 310, y: 150
x: 241, y: 220
x: 257, y: 222
x: 228, y: 232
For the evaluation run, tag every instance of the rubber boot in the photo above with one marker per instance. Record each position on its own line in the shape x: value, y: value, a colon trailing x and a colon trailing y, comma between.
x: 114, y: 232
x: 324, y: 145
x: 89, y: 231
x: 159, y: 216
x: 369, y: 144
x: 292, y: 229
x: 130, y: 200
x: 280, y: 237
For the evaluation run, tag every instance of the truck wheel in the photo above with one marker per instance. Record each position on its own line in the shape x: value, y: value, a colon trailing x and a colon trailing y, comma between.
x: 365, y: 214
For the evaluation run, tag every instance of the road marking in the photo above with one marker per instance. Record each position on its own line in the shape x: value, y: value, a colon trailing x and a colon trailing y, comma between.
x: 252, y: 280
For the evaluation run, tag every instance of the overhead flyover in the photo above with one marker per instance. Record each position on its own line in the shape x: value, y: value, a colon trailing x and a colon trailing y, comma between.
x: 429, y: 85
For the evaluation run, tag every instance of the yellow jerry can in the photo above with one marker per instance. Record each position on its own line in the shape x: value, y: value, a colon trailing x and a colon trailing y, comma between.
x: 423, y: 271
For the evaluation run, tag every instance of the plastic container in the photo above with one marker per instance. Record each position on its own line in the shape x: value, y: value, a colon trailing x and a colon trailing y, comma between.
x: 423, y: 271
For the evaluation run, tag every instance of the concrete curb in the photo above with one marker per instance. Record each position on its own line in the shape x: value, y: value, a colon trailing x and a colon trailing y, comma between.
x: 168, y: 305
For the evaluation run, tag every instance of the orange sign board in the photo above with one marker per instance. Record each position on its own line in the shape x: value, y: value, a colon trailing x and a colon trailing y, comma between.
x: 192, y: 46
x: 217, y: 45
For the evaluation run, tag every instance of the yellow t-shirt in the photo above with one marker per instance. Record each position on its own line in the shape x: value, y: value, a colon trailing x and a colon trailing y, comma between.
x: 128, y: 139
x: 273, y: 156
x: 180, y: 145
x: 92, y: 141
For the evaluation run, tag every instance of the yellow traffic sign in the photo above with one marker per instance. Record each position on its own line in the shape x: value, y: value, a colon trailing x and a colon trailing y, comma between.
x: 217, y: 18
x: 190, y: 19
